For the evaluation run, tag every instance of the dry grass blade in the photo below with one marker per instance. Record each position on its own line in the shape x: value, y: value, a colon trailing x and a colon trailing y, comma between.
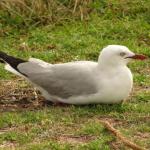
x: 36, y: 12
x: 75, y: 6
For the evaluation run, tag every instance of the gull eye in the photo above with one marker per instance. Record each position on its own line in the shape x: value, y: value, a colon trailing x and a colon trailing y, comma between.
x: 122, y: 54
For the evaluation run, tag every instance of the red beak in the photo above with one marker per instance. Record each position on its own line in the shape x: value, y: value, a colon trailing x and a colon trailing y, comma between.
x: 138, y: 56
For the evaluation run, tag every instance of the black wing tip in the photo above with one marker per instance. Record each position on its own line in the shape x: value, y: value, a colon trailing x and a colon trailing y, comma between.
x: 2, y: 54
x: 1, y: 61
x: 12, y: 61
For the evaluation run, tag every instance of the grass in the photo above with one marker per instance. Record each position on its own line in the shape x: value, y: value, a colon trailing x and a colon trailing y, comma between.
x: 27, y: 13
x: 76, y: 127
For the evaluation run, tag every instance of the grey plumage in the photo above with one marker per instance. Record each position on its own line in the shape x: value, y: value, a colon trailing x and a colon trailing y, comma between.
x: 60, y: 80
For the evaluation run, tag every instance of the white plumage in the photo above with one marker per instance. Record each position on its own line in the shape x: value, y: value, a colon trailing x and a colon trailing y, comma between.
x: 83, y: 82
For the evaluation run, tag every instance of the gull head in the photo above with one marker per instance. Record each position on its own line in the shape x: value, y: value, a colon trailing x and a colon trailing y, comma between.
x: 114, y: 55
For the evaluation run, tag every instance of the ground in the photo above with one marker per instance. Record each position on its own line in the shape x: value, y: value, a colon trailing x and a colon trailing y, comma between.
x: 29, y: 122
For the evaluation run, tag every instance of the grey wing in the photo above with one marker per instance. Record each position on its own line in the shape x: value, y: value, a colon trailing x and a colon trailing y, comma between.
x: 63, y: 82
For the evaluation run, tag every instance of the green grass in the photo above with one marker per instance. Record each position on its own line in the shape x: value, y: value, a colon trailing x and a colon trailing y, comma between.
x: 76, y: 127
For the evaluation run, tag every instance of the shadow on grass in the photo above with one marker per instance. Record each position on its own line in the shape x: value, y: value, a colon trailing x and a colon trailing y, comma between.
x: 39, y: 104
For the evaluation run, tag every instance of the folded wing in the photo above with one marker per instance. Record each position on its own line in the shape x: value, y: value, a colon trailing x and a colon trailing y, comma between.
x: 64, y: 80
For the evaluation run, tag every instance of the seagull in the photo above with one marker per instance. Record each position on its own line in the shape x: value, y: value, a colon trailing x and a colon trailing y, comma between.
x: 107, y: 81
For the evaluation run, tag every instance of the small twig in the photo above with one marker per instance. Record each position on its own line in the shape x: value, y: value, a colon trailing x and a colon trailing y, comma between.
x: 120, y: 136
x: 75, y: 6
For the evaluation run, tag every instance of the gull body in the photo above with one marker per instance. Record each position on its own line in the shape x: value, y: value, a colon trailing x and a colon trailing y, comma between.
x: 82, y: 82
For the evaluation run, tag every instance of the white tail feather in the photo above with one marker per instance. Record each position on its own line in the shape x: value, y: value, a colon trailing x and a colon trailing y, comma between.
x: 9, y: 68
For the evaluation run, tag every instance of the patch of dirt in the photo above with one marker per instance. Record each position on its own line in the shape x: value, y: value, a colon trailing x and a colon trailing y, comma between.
x: 138, y: 88
x: 117, y: 145
x: 8, y: 145
x: 18, y: 94
x: 72, y: 139
x: 4, y: 130
x: 142, y: 135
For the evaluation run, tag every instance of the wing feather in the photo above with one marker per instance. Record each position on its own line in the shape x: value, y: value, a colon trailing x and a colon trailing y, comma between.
x: 62, y: 80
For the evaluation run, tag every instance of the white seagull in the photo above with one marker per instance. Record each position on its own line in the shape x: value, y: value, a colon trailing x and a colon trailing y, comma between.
x: 82, y: 82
